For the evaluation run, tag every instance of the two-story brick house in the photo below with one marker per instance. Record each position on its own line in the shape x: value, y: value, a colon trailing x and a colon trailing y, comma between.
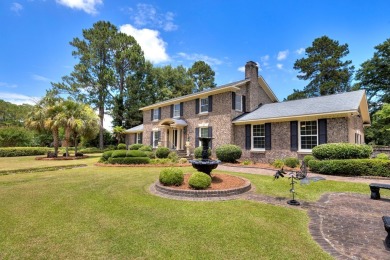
x: 248, y: 114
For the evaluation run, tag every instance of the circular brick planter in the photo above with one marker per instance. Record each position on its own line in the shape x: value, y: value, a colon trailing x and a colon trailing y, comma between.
x: 203, y: 193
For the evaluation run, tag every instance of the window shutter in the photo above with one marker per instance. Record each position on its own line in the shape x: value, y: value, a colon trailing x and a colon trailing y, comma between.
x: 322, y: 131
x: 210, y: 103
x: 135, y: 138
x: 181, y: 109
x: 197, y: 106
x: 196, y: 137
x: 141, y: 137
x: 294, y: 135
x: 159, y: 113
x: 151, y: 139
x: 243, y: 104
x: 171, y: 111
x: 248, y: 136
x: 210, y: 134
x: 233, y: 100
x: 268, y: 136
x: 151, y: 114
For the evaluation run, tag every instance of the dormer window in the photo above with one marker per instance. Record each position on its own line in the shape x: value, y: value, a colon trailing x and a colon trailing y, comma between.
x: 204, y: 105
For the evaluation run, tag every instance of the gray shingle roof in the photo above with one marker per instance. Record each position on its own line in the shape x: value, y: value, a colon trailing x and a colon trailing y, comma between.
x: 135, y: 129
x: 337, y: 103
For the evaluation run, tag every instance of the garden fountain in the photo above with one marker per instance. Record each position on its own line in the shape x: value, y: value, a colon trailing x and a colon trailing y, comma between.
x: 205, y: 165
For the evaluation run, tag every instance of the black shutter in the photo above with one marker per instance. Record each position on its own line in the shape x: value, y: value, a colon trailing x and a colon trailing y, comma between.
x: 294, y: 135
x: 181, y: 109
x: 172, y: 111
x: 197, y: 106
x: 233, y: 100
x: 141, y: 137
x: 248, y: 137
x: 151, y: 115
x: 151, y: 139
x: 322, y: 131
x: 135, y: 138
x: 210, y: 133
x: 159, y: 113
x: 196, y: 137
x: 210, y: 103
x: 243, y: 104
x: 268, y: 136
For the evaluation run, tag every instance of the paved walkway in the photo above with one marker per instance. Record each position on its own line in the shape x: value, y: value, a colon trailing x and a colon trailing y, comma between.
x: 348, y: 226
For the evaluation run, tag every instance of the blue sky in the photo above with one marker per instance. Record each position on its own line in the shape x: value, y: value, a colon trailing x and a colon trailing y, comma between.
x: 35, y: 36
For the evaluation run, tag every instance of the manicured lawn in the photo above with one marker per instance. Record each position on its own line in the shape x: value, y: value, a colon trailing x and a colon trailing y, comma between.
x: 107, y: 212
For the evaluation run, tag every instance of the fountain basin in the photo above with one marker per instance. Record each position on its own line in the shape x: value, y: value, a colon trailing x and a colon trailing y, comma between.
x: 205, y: 165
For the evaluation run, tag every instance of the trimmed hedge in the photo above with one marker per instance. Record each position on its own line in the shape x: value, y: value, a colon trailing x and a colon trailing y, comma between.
x: 135, y: 146
x: 198, y: 152
x: 121, y: 146
x: 107, y: 155
x: 382, y: 156
x: 291, y: 162
x: 228, y: 153
x: 278, y: 163
x: 118, y: 153
x: 136, y: 153
x: 308, y: 158
x: 22, y: 151
x: 199, y: 181
x: 146, y: 148
x: 129, y: 160
x: 352, y: 167
x: 91, y: 150
x: 162, y: 152
x: 171, y: 176
x: 342, y: 151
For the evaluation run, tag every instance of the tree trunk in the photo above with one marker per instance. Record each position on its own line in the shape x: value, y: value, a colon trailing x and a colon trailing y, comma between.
x: 67, y: 141
x: 75, y: 143
x: 101, y: 131
x: 55, y: 139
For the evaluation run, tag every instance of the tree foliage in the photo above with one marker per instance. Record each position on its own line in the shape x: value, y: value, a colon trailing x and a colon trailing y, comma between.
x: 379, y: 131
x: 202, y: 76
x: 13, y: 115
x: 324, y: 67
x: 374, y: 76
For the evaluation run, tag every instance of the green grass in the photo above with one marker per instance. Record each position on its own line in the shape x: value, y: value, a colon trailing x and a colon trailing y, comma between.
x: 107, y: 212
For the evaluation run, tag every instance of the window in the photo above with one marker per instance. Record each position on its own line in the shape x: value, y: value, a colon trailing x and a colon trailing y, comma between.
x: 139, y: 138
x: 176, y: 110
x: 204, y: 105
x: 156, y: 137
x: 238, y: 104
x: 258, y: 137
x: 156, y: 114
x: 203, y: 132
x: 308, y: 134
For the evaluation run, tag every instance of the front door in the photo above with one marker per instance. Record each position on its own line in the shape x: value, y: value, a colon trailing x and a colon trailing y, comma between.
x: 174, y: 141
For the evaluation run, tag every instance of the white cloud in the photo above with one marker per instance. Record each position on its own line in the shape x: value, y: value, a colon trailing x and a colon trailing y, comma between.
x: 153, y: 46
x: 282, y: 55
x: 147, y: 15
x: 40, y: 78
x: 197, y: 57
x: 16, y: 7
x: 107, y: 122
x: 264, y: 60
x: 88, y: 6
x: 7, y: 85
x: 279, y: 66
x: 300, y: 51
x: 18, y: 98
x: 242, y: 69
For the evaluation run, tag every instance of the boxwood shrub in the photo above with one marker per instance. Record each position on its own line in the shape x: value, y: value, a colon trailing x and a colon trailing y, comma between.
x: 121, y: 146
x: 352, y: 167
x: 228, y: 153
x: 382, y: 156
x: 129, y: 160
x: 291, y: 162
x: 146, y: 148
x: 106, y: 155
x: 308, y: 158
x: 91, y: 150
x: 162, y: 152
x: 135, y: 146
x: 171, y: 176
x: 118, y: 153
x: 22, y: 151
x: 198, y: 152
x: 135, y: 153
x: 342, y: 151
x: 199, y: 181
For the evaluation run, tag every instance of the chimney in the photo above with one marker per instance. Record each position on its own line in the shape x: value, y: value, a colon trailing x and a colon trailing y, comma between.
x: 251, y: 71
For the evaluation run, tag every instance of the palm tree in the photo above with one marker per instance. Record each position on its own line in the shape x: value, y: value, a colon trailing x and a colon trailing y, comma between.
x: 118, y: 132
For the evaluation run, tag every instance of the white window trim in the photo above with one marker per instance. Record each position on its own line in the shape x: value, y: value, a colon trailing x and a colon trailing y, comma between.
x: 200, y: 105
x: 200, y: 133
x: 252, y: 143
x: 176, y: 116
x: 239, y: 109
x: 155, y: 144
x: 299, y: 138
x: 137, y: 138
x: 154, y: 114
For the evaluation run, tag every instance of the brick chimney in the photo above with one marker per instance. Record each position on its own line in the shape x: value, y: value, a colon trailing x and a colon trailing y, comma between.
x: 251, y: 70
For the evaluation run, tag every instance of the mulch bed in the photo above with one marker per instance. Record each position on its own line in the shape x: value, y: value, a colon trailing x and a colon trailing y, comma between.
x: 218, y: 182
